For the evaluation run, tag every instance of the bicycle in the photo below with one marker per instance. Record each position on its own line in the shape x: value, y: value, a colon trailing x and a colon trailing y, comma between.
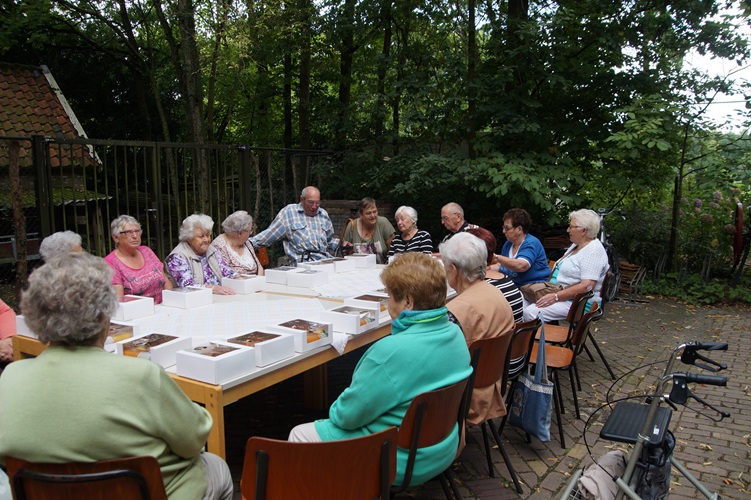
x: 645, y: 425
x: 613, y: 281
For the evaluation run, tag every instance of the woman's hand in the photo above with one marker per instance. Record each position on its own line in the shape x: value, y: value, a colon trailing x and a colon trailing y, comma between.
x: 546, y: 300
x: 222, y: 290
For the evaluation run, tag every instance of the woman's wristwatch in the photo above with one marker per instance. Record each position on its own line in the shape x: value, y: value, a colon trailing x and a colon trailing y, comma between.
x: 556, y: 296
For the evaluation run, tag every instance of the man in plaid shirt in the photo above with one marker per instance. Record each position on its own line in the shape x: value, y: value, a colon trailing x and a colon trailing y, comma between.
x: 305, y: 228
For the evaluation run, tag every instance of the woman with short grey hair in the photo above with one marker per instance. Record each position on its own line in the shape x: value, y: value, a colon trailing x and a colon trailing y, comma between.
x: 78, y: 396
x: 136, y: 268
x: 581, y: 269
x: 193, y: 263
x: 480, y: 309
x: 408, y: 238
x: 60, y: 243
x: 234, y: 246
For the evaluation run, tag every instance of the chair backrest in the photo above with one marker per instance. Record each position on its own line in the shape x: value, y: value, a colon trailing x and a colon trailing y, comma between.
x: 489, y: 359
x: 518, y: 352
x: 430, y: 418
x: 361, y: 467
x: 577, y: 307
x: 582, y: 328
x: 126, y: 478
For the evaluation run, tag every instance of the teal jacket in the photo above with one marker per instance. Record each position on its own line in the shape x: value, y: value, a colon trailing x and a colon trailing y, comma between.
x: 424, y: 352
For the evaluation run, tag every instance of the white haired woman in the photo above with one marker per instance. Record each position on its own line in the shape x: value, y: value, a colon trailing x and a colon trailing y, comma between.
x: 581, y: 269
x: 91, y: 404
x: 136, y: 268
x: 480, y: 309
x: 233, y: 244
x: 60, y: 243
x: 409, y: 238
x: 192, y: 262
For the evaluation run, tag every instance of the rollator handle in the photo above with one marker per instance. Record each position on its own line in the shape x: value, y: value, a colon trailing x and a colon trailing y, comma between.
x: 700, y: 378
x: 689, y: 355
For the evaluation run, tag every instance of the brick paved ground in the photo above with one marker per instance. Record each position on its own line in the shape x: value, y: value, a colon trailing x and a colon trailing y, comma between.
x: 631, y: 335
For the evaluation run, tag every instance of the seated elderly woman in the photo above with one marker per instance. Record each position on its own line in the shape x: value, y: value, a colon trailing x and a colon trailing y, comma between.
x: 76, y: 402
x: 136, y: 269
x: 369, y: 233
x: 480, y: 310
x: 498, y: 279
x: 523, y: 257
x: 424, y: 352
x: 59, y: 243
x: 582, y: 268
x: 409, y: 238
x: 193, y: 263
x: 234, y: 247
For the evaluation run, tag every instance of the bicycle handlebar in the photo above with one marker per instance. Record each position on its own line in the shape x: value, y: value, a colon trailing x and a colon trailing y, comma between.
x: 700, y: 378
x: 689, y: 355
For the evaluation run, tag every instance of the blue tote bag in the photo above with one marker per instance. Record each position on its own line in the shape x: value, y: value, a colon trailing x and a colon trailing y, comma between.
x: 532, y: 402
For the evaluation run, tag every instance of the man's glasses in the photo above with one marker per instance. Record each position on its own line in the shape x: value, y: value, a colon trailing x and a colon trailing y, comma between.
x: 131, y: 232
x: 576, y: 227
x: 313, y: 203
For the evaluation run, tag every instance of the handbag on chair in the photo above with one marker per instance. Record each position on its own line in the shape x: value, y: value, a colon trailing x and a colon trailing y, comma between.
x: 532, y: 401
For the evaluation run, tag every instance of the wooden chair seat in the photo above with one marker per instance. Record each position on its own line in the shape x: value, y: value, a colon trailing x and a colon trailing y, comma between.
x: 126, y: 479
x: 556, y: 357
x: 355, y: 468
x: 555, y: 334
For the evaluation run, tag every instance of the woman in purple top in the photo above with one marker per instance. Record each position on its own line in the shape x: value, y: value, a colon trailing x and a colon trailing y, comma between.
x: 193, y: 263
x: 136, y: 269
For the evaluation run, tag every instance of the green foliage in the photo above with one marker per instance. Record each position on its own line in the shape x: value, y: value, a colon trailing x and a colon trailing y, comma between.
x: 694, y: 290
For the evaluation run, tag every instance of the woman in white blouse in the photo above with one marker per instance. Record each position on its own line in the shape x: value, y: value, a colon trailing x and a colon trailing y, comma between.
x: 233, y: 244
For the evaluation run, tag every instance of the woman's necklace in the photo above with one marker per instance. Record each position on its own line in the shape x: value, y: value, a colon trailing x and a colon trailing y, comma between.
x: 366, y: 233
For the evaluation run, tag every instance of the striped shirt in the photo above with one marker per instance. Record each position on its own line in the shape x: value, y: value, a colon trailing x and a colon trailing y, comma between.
x: 512, y: 294
x: 420, y: 242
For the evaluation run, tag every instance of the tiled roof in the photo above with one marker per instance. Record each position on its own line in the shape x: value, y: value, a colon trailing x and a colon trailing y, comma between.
x: 30, y: 106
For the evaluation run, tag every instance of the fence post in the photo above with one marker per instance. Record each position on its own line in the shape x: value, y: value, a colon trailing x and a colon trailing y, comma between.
x: 246, y: 200
x: 43, y: 186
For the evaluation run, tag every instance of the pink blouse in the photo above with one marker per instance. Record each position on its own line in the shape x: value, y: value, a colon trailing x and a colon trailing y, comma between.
x: 147, y: 281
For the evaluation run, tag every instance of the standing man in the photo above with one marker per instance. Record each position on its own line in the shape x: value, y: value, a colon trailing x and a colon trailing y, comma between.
x: 452, y: 218
x: 305, y: 228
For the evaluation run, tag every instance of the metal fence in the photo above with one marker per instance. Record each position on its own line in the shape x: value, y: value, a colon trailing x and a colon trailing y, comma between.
x: 81, y: 185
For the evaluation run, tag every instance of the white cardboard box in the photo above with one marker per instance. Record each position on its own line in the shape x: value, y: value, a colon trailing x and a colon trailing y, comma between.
x: 353, y: 319
x: 344, y: 265
x: 215, y: 362
x: 162, y: 353
x: 368, y: 299
x: 363, y: 259
x: 279, y: 274
x: 187, y: 298
x: 132, y: 307
x: 326, y: 266
x: 269, y: 347
x: 308, y: 333
x: 244, y: 284
x: 23, y: 329
x: 307, y: 278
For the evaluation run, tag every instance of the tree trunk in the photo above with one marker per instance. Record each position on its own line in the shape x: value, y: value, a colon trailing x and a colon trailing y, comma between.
x: 383, y: 64
x: 347, y: 20
x: 471, y: 90
x: 304, y: 95
x: 19, y: 221
x: 288, y: 130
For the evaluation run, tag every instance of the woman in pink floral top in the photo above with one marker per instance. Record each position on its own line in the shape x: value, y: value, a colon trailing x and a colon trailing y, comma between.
x: 193, y: 263
x: 233, y: 245
x: 136, y: 269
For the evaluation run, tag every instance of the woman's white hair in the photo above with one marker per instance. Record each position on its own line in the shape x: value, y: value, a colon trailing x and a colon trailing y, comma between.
x: 408, y: 211
x: 70, y: 299
x: 191, y: 222
x: 59, y: 243
x: 120, y: 222
x: 237, y: 221
x: 588, y: 219
x: 467, y: 253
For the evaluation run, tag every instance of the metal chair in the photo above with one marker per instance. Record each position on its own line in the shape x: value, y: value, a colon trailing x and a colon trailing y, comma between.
x: 490, y: 363
x: 521, y: 345
x: 564, y: 358
x: 125, y: 478
x: 430, y: 418
x: 361, y: 467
